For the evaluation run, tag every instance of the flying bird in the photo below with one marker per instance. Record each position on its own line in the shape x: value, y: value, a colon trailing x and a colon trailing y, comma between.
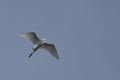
x: 40, y: 43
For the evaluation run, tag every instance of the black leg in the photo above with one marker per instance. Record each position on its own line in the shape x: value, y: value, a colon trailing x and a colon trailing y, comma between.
x: 30, y: 55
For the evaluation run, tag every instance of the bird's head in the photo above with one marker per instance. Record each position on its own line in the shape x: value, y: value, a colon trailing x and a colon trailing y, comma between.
x: 43, y: 40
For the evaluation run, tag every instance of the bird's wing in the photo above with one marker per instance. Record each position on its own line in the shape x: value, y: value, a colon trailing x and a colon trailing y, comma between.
x: 31, y: 36
x: 51, y: 48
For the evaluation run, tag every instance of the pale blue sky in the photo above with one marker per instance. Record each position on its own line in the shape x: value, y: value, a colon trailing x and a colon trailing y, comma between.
x: 86, y: 34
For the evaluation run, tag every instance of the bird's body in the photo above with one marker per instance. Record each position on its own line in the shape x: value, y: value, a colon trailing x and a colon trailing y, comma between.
x: 40, y: 44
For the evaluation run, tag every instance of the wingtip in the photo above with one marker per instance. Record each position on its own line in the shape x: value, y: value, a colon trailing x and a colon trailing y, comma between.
x: 20, y: 35
x: 58, y: 58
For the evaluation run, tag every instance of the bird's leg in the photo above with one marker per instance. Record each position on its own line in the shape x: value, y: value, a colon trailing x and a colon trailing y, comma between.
x: 31, y: 54
x: 34, y: 49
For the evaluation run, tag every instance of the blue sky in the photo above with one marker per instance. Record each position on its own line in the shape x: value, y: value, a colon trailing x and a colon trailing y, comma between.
x: 85, y: 33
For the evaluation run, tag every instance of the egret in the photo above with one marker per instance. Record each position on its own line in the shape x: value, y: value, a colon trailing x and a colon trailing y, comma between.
x: 40, y: 43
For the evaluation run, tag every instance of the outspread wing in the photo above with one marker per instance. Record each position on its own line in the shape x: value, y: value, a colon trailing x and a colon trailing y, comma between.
x: 51, y: 48
x: 31, y: 36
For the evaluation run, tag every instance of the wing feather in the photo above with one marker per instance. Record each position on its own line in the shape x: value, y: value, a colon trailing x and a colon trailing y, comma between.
x: 50, y: 48
x: 31, y: 36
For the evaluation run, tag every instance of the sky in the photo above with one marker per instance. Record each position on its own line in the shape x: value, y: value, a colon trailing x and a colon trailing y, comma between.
x: 85, y: 33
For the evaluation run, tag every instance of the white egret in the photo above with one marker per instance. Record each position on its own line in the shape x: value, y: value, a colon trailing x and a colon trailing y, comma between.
x: 40, y: 44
